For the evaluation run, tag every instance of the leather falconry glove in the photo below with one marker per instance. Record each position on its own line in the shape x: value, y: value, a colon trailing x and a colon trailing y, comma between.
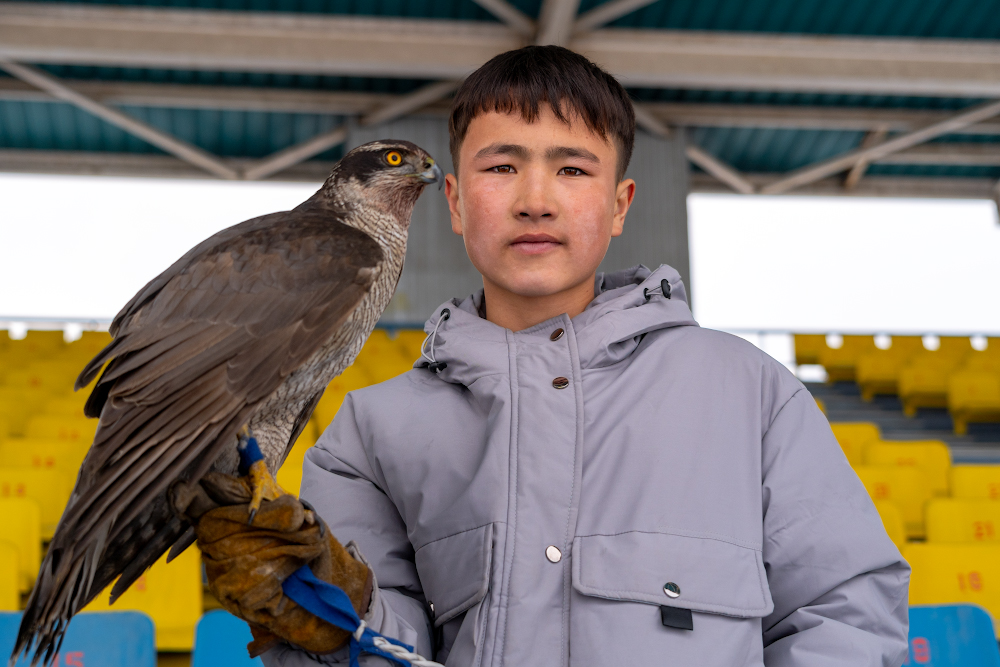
x: 246, y: 564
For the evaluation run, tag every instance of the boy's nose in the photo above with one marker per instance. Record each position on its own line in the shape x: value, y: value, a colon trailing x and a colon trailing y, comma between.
x: 535, y: 204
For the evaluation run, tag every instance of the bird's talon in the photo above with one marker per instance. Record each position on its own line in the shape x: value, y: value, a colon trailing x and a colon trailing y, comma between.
x: 253, y: 513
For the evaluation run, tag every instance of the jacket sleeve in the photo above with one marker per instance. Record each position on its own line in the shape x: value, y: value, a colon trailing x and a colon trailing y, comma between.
x: 839, y: 585
x: 346, y: 489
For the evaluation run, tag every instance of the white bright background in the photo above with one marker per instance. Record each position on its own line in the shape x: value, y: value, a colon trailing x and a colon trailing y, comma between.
x: 80, y: 247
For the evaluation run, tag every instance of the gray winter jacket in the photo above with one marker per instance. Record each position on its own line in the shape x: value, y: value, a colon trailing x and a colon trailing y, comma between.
x: 541, y: 498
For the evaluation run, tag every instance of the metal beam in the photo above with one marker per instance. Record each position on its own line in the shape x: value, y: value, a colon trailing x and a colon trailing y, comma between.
x: 515, y: 19
x: 649, y: 122
x: 719, y: 169
x: 872, y: 138
x: 435, y: 49
x: 947, y: 154
x: 399, y: 106
x: 158, y: 138
x: 870, y: 186
x: 847, y: 160
x: 555, y: 21
x: 606, y: 13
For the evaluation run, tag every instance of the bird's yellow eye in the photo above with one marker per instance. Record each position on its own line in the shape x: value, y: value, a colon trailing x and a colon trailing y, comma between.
x: 393, y: 158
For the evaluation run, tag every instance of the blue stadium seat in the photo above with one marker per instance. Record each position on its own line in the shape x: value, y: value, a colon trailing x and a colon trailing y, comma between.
x: 108, y: 639
x: 952, y: 636
x: 220, y: 640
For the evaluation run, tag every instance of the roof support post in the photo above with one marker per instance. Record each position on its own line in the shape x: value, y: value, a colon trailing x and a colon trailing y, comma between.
x: 719, y: 169
x: 555, y: 22
x: 515, y: 19
x: 158, y: 138
x: 401, y: 106
x: 835, y: 165
x: 872, y: 138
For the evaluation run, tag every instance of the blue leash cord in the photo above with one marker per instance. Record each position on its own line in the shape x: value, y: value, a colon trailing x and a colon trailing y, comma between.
x: 332, y: 605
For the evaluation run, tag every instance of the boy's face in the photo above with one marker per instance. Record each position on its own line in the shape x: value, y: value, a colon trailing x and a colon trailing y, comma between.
x: 536, y: 203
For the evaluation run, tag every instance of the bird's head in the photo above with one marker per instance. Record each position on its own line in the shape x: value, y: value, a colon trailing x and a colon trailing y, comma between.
x: 389, y: 175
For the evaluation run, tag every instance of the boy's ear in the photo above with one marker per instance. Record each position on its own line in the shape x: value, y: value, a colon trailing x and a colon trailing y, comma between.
x: 623, y: 199
x: 451, y: 194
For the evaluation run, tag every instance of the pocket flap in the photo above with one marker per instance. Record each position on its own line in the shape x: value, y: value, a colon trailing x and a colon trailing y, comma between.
x: 712, y: 575
x: 455, y: 571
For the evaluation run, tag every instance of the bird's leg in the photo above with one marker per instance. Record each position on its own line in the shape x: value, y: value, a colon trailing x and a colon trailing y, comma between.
x: 252, y: 464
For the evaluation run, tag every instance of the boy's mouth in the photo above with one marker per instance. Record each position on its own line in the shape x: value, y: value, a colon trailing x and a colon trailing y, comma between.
x: 534, y: 244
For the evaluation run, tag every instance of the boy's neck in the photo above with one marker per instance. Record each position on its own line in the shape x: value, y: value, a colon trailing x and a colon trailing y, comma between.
x: 518, y: 312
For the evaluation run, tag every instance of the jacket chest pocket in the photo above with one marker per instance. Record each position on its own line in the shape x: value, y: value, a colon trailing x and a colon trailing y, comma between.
x: 696, y: 573
x: 455, y: 571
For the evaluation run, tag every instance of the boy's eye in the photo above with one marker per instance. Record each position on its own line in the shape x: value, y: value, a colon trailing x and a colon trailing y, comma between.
x: 502, y: 169
x: 571, y: 171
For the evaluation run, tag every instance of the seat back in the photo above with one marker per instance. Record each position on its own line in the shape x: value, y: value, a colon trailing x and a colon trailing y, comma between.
x: 170, y: 593
x: 906, y: 488
x: 854, y: 438
x: 963, y: 520
x: 62, y: 427
x: 976, y: 481
x: 932, y: 457
x: 220, y: 640
x: 10, y: 577
x: 21, y: 525
x: 289, y: 476
x: 112, y: 639
x: 892, y: 520
x: 50, y: 487
x: 952, y: 636
x: 955, y: 573
x: 65, y: 455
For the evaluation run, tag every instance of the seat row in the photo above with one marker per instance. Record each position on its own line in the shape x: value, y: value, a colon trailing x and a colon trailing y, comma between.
x: 955, y: 376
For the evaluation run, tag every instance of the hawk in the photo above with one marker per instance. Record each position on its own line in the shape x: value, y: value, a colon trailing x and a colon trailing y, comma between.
x: 244, y: 331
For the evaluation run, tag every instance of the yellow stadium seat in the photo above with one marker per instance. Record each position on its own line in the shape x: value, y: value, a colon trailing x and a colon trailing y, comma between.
x: 21, y: 525
x: 973, y: 396
x: 976, y: 482
x: 807, y: 347
x: 820, y: 404
x: 877, y: 372
x: 64, y: 455
x: 963, y: 520
x: 60, y: 427
x: 906, y: 488
x: 932, y: 457
x: 354, y: 377
x: 10, y: 591
x: 854, y: 437
x: 986, y: 361
x: 69, y: 406
x: 923, y: 382
x: 88, y: 344
x: 382, y: 357
x: 170, y: 593
x: 955, y: 346
x: 19, y: 404
x: 840, y: 363
x: 4, y: 427
x: 49, y: 487
x: 290, y: 473
x: 39, y: 344
x: 411, y: 340
x: 955, y: 573
x: 892, y: 519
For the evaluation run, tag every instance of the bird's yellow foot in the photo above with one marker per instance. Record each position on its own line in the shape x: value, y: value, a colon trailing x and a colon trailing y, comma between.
x: 262, y: 484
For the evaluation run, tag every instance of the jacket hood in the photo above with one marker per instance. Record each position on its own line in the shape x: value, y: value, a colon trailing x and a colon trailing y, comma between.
x: 607, y: 331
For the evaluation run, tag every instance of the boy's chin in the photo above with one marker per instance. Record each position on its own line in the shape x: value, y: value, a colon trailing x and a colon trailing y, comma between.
x: 538, y: 286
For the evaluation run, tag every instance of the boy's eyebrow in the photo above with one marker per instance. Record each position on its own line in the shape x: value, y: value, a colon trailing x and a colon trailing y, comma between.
x: 513, y: 150
x: 559, y: 152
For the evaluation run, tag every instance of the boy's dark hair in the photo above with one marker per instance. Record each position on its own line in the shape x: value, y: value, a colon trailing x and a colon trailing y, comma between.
x: 519, y: 81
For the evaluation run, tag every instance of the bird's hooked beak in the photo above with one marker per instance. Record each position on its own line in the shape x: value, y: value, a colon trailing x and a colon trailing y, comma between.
x: 432, y: 175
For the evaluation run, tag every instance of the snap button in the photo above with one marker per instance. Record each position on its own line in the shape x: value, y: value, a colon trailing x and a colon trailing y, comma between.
x: 672, y: 590
x: 560, y: 383
x: 557, y: 334
x: 553, y: 554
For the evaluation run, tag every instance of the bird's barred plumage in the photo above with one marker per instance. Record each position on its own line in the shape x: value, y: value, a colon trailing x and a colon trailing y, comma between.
x: 248, y: 327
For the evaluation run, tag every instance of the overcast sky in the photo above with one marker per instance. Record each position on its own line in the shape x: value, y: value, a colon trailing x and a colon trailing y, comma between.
x: 80, y: 247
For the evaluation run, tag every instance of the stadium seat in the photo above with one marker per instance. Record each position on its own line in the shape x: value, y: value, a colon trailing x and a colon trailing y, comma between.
x: 976, y: 481
x: 34, y: 377
x: 923, y: 382
x: 878, y: 371
x: 21, y: 525
x: 4, y: 427
x: 807, y: 347
x: 958, y: 635
x: 38, y: 344
x: 963, y: 520
x: 955, y: 346
x: 290, y: 474
x: 62, y: 427
x: 353, y: 377
x: 48, y: 486
x: 955, y: 573
x: 10, y: 577
x: 932, y: 457
x: 986, y: 361
x: 411, y: 340
x: 906, y: 488
x: 114, y: 639
x: 67, y: 406
x: 821, y: 405
x: 65, y: 455
x: 220, y: 640
x: 892, y: 519
x: 170, y: 593
x: 840, y: 363
x: 18, y: 405
x: 854, y: 437
x: 973, y: 396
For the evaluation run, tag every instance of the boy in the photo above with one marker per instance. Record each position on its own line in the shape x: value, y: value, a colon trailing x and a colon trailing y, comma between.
x: 583, y: 476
